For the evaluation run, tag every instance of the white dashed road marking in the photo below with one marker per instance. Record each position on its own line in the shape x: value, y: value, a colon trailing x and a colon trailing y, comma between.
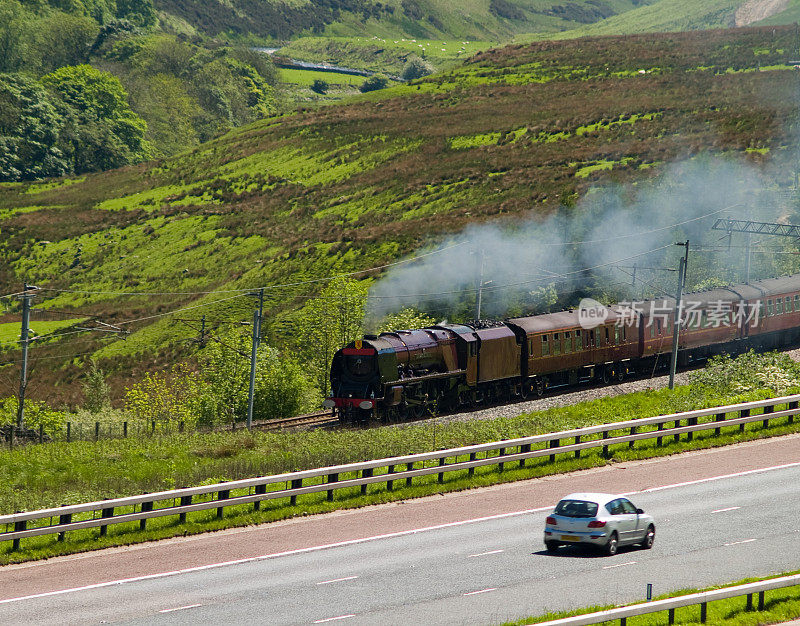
x: 730, y: 508
x: 180, y: 608
x: 619, y: 565
x: 337, y: 580
x: 485, y: 553
x: 737, y: 543
x: 472, y: 593
x: 333, y: 619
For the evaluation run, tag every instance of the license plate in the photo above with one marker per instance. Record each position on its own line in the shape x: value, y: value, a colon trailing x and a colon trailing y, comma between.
x: 570, y: 538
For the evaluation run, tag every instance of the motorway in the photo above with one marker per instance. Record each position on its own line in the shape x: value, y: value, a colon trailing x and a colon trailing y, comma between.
x: 722, y: 515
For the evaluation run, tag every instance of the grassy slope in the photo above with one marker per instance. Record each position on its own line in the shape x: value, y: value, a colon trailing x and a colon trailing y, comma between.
x: 473, y: 19
x: 349, y: 187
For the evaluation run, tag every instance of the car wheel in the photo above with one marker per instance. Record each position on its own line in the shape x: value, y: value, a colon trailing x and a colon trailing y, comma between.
x: 611, y: 547
x: 649, y: 538
x: 550, y: 546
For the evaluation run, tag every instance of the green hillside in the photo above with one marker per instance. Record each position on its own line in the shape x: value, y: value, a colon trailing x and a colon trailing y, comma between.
x: 279, y: 20
x: 514, y: 133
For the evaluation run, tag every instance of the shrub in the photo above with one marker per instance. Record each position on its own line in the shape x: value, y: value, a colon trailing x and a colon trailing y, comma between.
x: 320, y: 86
x: 416, y: 67
x: 373, y: 83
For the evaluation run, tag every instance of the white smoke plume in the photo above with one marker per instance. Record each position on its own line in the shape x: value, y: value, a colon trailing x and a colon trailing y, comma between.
x: 614, y: 227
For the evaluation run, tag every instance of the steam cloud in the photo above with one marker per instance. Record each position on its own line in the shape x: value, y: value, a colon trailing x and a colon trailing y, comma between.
x: 616, y: 225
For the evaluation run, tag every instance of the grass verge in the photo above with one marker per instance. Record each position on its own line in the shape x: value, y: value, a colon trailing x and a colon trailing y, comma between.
x: 59, y: 473
x: 780, y: 605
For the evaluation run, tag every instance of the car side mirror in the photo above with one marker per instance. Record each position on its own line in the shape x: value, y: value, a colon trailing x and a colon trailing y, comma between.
x: 639, y: 511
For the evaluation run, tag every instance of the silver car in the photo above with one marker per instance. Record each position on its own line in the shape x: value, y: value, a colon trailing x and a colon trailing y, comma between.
x: 598, y: 519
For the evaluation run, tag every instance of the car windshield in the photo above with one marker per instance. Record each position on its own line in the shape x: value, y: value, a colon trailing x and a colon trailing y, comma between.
x: 576, y: 508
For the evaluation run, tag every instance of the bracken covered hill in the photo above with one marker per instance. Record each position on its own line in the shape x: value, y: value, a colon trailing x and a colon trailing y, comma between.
x: 516, y: 132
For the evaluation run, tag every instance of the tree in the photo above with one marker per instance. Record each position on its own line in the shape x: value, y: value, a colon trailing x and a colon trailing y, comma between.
x: 416, y: 67
x: 171, y: 398
x: 95, y: 389
x: 139, y: 12
x: 101, y: 130
x: 330, y: 321
x: 30, y: 130
x: 373, y: 83
x: 63, y: 39
x: 15, y: 32
x: 282, y: 387
x: 405, y: 319
x: 320, y: 86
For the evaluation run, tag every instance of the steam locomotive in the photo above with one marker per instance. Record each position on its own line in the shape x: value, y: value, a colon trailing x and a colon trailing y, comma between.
x: 408, y: 373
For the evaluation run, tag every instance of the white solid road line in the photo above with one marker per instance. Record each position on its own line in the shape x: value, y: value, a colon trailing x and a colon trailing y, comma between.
x: 730, y: 508
x: 351, y: 542
x: 180, y: 608
x: 485, y: 553
x: 472, y: 593
x: 620, y: 565
x: 738, y: 543
x: 337, y: 580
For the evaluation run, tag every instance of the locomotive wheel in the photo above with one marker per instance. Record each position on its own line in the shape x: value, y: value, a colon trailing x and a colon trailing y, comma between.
x: 416, y: 411
x: 540, y: 386
x: 523, y: 390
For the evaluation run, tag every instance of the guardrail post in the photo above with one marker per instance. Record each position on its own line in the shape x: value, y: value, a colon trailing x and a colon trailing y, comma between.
x: 105, y: 514
x: 605, y: 448
x: 720, y: 417
x: 501, y: 464
x: 223, y: 495
x: 472, y: 457
x: 18, y: 526
x: 69, y: 431
x: 409, y: 467
x: 154, y: 427
x: 632, y: 441
x: 441, y: 474
x: 623, y: 621
x: 677, y: 438
x: 749, y: 606
x: 524, y: 449
x: 577, y: 452
x: 761, y: 600
x: 692, y: 421
x: 125, y: 429
x: 146, y: 508
x: 554, y: 443
x: 390, y: 483
x: 365, y: 474
x: 41, y: 433
x: 659, y: 440
x: 703, y: 612
x: 260, y: 491
x: 11, y: 437
x: 185, y: 501
x: 332, y: 478
x: 767, y: 411
x: 296, y: 484
x: 792, y: 405
x: 743, y: 413
x: 64, y: 519
x: 96, y: 431
x: 671, y: 617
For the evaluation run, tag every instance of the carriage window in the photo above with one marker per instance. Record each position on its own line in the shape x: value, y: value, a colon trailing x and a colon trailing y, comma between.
x: 607, y: 340
x: 616, y: 335
x: 624, y: 333
x: 578, y: 345
x: 530, y: 347
x: 769, y: 308
x: 787, y: 308
x: 652, y: 329
x: 545, y: 346
x: 796, y: 303
x: 778, y: 306
x: 556, y: 344
x: 567, y: 343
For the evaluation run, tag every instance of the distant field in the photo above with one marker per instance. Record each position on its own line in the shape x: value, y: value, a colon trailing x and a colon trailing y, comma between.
x: 383, y: 54
x: 9, y: 333
x: 306, y: 78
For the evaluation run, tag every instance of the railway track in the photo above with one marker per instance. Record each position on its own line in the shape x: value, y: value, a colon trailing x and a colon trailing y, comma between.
x: 318, y: 419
